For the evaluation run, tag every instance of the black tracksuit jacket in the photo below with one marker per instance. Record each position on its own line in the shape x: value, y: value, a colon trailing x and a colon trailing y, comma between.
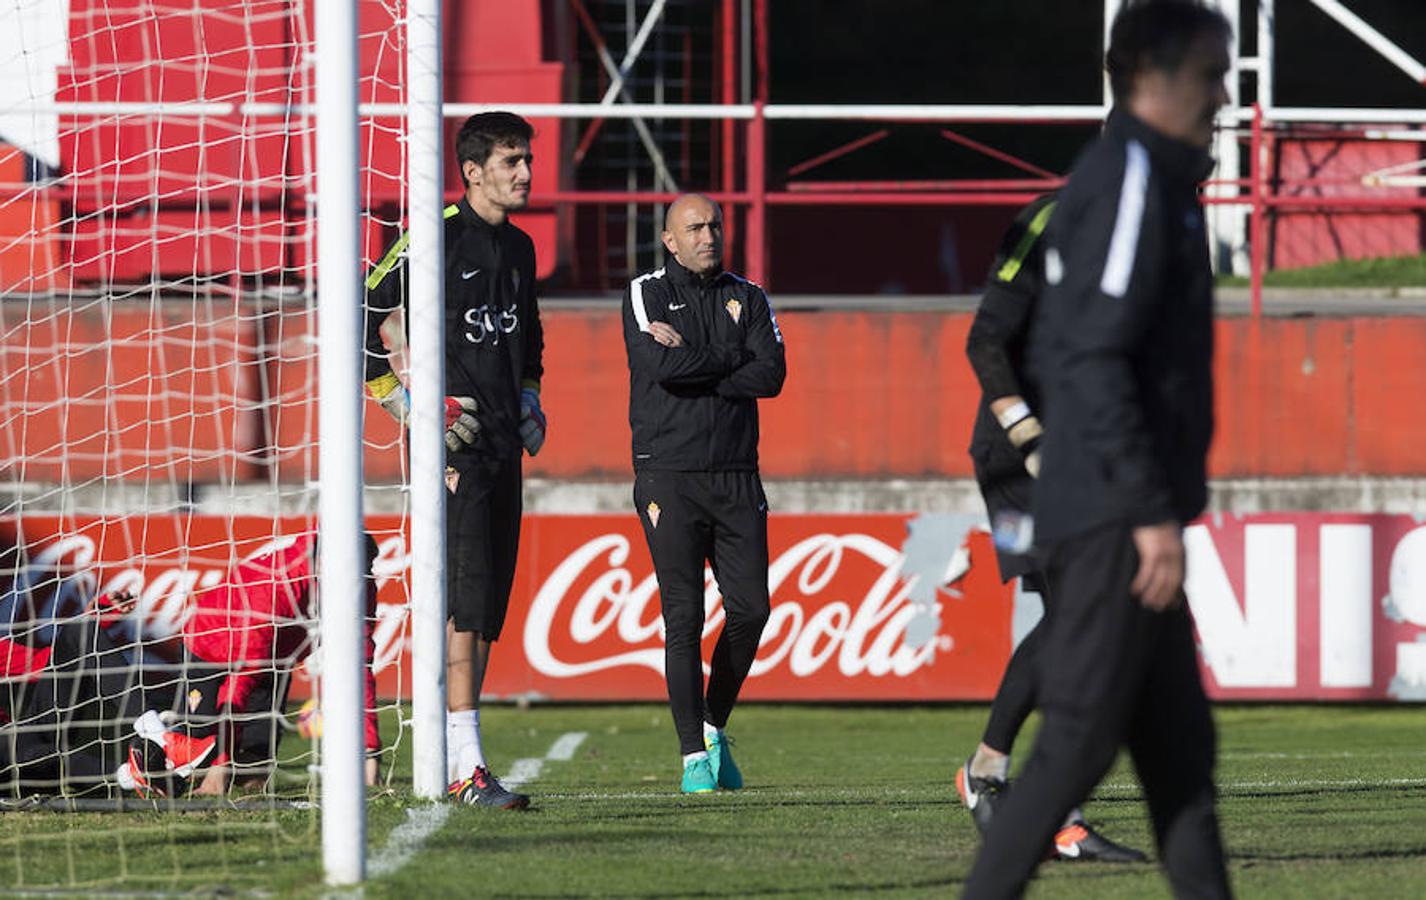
x: 694, y: 408
x: 1122, y: 344
x: 494, y: 340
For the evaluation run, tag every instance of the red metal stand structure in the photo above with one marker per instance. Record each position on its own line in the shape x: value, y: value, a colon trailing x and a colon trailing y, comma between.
x: 1258, y: 236
x: 1264, y: 192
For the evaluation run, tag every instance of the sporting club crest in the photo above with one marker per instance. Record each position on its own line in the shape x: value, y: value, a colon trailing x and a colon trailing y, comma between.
x: 735, y: 309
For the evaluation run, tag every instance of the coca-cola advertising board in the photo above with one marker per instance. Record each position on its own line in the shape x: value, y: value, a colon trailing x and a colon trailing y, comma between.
x: 864, y: 607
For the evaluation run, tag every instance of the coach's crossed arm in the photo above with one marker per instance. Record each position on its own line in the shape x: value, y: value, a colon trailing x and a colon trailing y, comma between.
x: 661, y: 354
x: 764, y: 372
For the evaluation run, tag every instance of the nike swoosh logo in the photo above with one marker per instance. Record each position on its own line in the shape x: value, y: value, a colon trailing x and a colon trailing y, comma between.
x: 466, y: 276
x: 675, y: 306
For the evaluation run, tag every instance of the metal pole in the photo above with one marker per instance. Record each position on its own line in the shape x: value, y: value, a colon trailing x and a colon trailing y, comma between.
x: 341, y: 586
x: 1373, y: 39
x: 1111, y: 9
x: 726, y: 160
x: 1267, y: 51
x: 631, y: 56
x: 1228, y: 224
x: 1258, y: 241
x: 756, y: 254
x: 426, y: 306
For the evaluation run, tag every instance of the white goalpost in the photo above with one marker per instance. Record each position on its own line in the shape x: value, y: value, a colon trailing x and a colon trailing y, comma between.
x: 341, y: 508
x: 425, y: 264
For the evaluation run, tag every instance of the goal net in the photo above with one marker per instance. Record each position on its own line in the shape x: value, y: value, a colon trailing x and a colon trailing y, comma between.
x: 158, y: 428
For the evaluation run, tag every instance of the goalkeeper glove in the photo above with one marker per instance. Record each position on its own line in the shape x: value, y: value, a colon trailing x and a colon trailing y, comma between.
x: 392, y: 395
x: 111, y: 607
x: 532, y: 420
x: 461, y: 424
x: 1024, y: 431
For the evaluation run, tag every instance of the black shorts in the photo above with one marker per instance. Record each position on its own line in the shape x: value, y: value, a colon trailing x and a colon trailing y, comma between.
x: 1008, y: 502
x: 254, y: 733
x: 482, y: 541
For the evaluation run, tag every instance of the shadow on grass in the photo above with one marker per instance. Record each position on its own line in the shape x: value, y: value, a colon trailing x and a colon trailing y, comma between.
x: 1393, y: 790
x: 948, y: 886
x: 855, y: 889
x: 1364, y: 855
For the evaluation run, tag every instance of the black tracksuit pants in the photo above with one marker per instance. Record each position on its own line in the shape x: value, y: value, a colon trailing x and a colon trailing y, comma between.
x: 249, y: 738
x: 720, y: 518
x: 1016, y: 696
x: 1112, y: 674
x: 1011, y: 493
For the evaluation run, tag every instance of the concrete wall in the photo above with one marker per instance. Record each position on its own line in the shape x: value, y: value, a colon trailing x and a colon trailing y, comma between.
x: 106, y: 393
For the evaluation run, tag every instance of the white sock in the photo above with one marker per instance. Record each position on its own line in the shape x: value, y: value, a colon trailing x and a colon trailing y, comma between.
x: 690, y: 757
x: 985, y: 766
x: 463, y: 751
x: 1075, y: 815
x: 710, y: 731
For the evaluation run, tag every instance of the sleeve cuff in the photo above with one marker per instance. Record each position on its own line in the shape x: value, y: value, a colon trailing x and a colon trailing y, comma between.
x: 1155, y: 511
x: 383, y: 385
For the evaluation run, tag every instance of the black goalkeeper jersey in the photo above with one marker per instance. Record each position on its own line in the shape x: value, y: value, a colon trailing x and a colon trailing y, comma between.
x: 494, y: 341
x: 997, y: 340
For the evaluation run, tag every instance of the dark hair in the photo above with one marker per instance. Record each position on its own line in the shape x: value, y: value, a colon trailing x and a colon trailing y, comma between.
x: 1156, y: 34
x: 368, y: 548
x: 483, y: 132
x: 369, y: 551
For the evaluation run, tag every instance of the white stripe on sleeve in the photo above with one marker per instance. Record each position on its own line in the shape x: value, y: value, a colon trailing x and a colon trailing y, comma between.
x: 772, y: 316
x: 636, y: 297
x: 1124, y: 243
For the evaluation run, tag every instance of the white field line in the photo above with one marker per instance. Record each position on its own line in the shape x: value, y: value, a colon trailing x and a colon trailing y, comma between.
x: 407, y: 839
x: 524, y: 771
x: 563, y: 749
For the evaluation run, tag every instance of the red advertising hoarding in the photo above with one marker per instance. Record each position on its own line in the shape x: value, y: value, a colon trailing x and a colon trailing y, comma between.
x: 1302, y: 606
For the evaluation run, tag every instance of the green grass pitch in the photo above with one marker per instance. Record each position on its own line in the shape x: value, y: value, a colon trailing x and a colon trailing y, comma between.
x: 1316, y: 802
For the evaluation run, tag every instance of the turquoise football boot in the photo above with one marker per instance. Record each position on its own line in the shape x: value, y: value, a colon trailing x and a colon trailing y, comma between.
x: 725, y: 771
x: 698, y: 777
